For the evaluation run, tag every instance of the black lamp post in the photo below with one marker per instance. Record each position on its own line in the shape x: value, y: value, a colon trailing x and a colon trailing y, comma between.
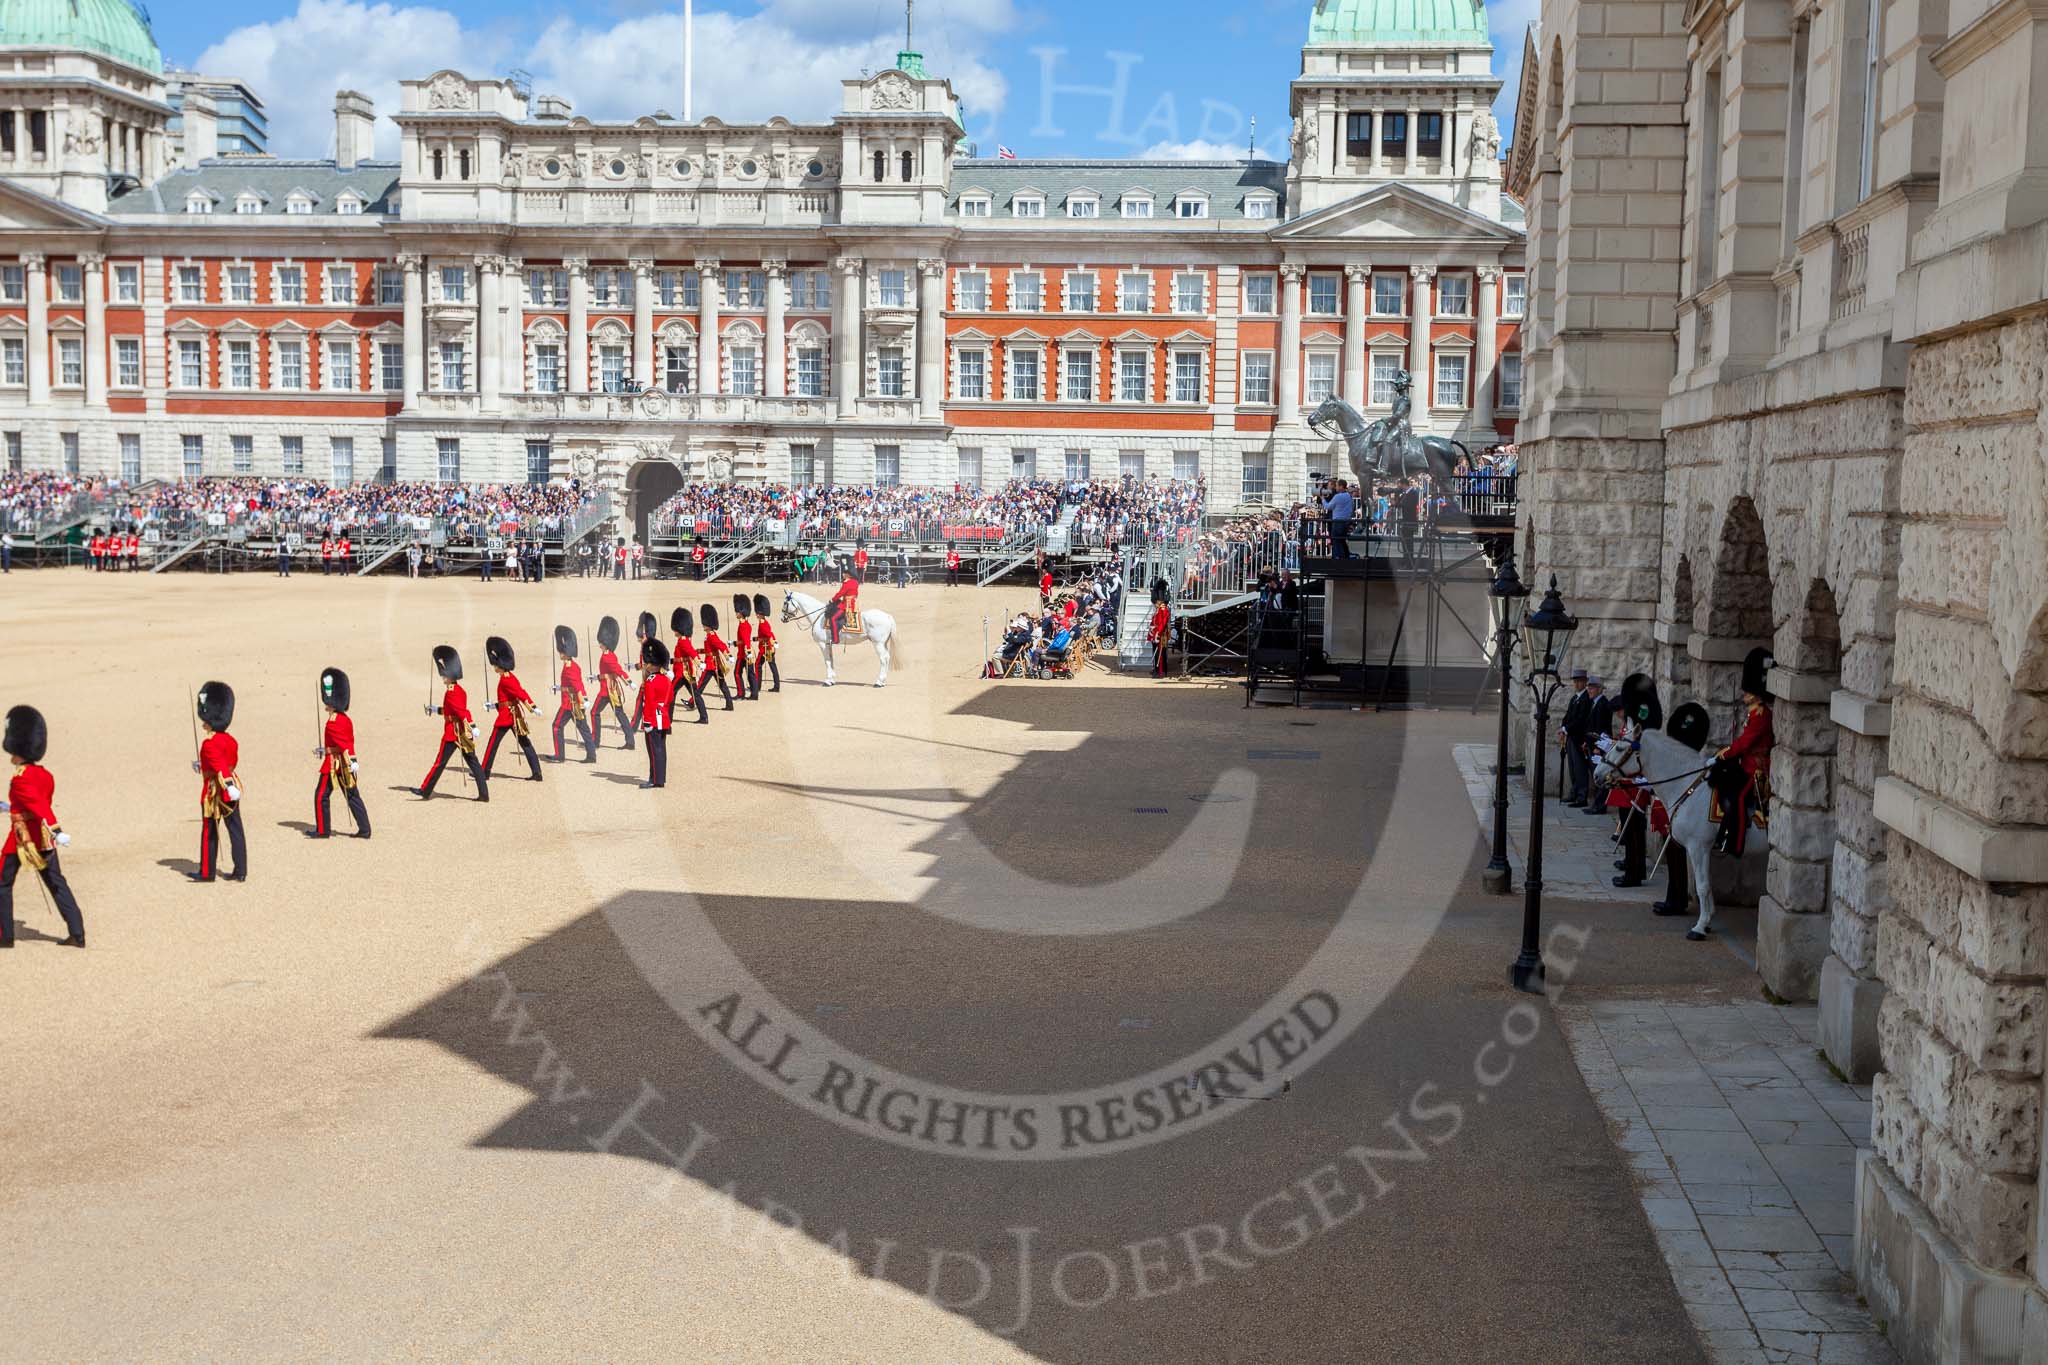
x: 1513, y: 596
x: 1546, y: 634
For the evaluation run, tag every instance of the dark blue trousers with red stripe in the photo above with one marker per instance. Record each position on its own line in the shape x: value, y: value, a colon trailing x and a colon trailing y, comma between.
x: 353, y: 795
x: 209, y: 844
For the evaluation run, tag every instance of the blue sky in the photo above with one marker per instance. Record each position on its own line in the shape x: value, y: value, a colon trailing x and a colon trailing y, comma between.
x: 1044, y: 77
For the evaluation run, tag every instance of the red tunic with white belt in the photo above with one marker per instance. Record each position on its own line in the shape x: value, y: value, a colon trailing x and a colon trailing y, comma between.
x: 30, y: 794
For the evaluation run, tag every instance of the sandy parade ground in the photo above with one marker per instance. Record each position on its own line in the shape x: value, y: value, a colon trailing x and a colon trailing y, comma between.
x: 953, y: 1020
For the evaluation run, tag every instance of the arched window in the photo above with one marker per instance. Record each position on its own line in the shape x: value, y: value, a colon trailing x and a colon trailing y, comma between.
x: 440, y: 163
x: 909, y: 166
x: 881, y: 167
x: 462, y: 162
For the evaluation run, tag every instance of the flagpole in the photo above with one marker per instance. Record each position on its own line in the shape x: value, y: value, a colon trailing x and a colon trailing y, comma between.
x: 689, y: 57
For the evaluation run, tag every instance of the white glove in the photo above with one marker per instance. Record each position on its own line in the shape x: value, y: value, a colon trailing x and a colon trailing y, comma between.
x: 433, y: 710
x: 234, y: 793
x: 490, y: 706
x: 63, y: 839
x: 353, y: 770
x: 195, y: 765
x: 5, y: 807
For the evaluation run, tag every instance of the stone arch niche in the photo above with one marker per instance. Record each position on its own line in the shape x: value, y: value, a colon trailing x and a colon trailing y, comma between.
x: 1792, y: 924
x: 649, y: 483
x: 1738, y: 614
x: 1674, y: 632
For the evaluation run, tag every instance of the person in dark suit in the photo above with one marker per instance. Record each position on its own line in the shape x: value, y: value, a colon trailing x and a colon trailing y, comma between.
x: 1573, y: 732
x: 1599, y: 723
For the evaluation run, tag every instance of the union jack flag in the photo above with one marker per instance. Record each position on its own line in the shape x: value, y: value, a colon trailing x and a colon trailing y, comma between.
x: 1004, y: 153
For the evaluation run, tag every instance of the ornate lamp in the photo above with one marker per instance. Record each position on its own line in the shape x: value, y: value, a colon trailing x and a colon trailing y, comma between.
x: 1511, y: 597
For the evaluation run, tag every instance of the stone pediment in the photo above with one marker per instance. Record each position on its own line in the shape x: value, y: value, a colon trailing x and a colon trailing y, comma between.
x: 21, y: 207
x: 1394, y: 213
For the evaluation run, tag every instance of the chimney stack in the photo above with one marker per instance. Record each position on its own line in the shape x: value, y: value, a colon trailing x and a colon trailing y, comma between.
x: 201, y: 128
x: 355, y: 129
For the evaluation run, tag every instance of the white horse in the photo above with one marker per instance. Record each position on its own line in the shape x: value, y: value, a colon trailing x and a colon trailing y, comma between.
x: 1677, y: 775
x: 878, y: 628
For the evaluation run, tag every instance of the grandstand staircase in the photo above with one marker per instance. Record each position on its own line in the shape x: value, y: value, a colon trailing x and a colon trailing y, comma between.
x: 172, y: 554
x: 1009, y: 555
x: 380, y: 555
x: 729, y: 555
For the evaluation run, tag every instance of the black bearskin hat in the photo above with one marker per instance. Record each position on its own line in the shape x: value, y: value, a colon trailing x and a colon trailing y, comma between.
x: 216, y: 706
x: 1639, y: 701
x: 1756, y: 673
x: 565, y: 642
x: 28, y: 736
x: 762, y: 606
x: 682, y: 623
x: 1159, y: 590
x: 498, y: 650
x: 1690, y: 725
x: 710, y: 615
x: 653, y: 654
x: 447, y: 663
x: 648, y: 628
x: 742, y: 605
x: 608, y: 633
x: 334, y: 689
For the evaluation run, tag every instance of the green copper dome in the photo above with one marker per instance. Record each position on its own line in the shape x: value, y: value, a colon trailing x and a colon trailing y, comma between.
x: 114, y: 27
x: 1344, y: 22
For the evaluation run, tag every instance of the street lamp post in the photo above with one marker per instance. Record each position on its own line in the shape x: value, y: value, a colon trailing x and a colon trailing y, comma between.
x: 1546, y: 635
x: 1508, y: 590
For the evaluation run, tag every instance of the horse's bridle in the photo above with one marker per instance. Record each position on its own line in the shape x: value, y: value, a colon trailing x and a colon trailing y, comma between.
x: 790, y: 610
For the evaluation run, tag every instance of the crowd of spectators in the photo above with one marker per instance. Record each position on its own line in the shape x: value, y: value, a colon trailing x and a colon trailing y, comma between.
x: 471, y: 512
x: 1105, y: 512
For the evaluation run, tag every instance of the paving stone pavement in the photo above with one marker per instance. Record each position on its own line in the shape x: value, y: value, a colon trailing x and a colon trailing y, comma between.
x: 1578, y: 849
x: 1743, y: 1143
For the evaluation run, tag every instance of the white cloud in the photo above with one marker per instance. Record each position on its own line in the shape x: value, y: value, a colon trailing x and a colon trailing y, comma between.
x: 296, y: 64
x: 618, y: 71
x: 1196, y: 149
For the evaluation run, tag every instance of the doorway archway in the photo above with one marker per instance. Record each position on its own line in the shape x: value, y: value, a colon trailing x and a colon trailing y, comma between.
x: 649, y: 484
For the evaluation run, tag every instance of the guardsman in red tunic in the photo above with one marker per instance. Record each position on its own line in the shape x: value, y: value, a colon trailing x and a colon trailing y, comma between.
x: 1161, y: 631
x: 511, y: 707
x: 326, y: 555
x: 338, y: 771
x: 952, y: 566
x: 698, y: 554
x: 33, y: 837
x: 220, y: 790
x: 611, y: 684
x: 845, y: 604
x: 458, y: 731
x: 687, y: 667
x: 95, y: 549
x: 717, y: 654
x: 743, y: 646
x: 1045, y: 588
x: 654, y: 664
x: 860, y: 560
x: 645, y: 629
x: 569, y: 687
x: 1742, y: 772
x: 344, y: 552
x: 764, y: 645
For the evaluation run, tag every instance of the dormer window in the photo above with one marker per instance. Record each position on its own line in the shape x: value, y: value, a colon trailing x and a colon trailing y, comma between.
x: 298, y: 204
x: 1135, y: 206
x: 248, y: 203
x: 1190, y: 205
x: 1083, y: 206
x: 976, y: 206
x: 1028, y: 206
x: 1261, y: 206
x: 349, y: 202
x: 198, y: 203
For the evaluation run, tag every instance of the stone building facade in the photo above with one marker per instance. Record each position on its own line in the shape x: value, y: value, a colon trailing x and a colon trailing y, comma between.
x: 527, y: 293
x: 1840, y: 452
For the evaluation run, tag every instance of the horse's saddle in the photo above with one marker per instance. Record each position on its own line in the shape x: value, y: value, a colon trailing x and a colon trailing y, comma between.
x: 851, y: 625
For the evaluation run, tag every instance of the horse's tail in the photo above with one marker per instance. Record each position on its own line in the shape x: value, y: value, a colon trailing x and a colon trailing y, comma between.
x: 897, y: 658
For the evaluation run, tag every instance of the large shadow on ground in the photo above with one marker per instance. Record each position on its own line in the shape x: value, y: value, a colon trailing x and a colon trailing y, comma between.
x: 1438, y: 1188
